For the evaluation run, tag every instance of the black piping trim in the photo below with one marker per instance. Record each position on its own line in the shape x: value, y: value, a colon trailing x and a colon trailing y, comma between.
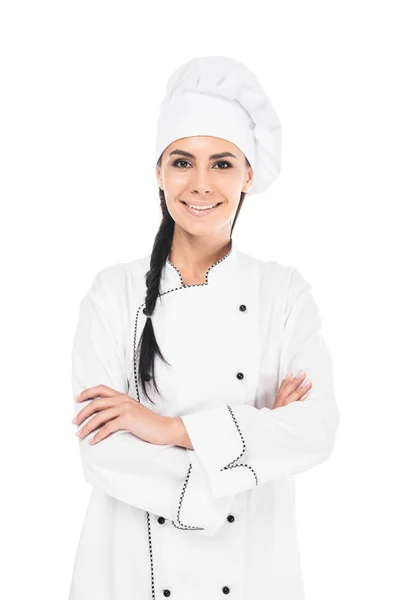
x: 180, y: 525
x: 153, y: 591
x: 231, y: 465
x: 184, y: 285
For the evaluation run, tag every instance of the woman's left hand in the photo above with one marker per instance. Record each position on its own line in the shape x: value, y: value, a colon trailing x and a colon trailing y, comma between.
x: 114, y: 410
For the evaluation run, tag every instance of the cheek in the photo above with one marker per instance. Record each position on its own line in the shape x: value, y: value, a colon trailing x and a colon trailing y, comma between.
x: 231, y: 179
x: 175, y: 182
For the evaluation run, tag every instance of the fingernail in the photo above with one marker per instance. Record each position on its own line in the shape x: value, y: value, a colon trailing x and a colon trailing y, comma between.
x: 78, y: 433
x: 300, y: 374
x: 305, y: 382
x: 77, y: 396
x: 305, y: 396
x: 74, y: 420
x: 289, y: 376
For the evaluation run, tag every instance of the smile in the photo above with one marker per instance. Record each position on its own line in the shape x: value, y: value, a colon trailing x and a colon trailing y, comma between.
x: 201, y: 209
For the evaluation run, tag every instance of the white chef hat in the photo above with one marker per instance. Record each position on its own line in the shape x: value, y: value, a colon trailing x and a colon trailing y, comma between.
x: 221, y: 97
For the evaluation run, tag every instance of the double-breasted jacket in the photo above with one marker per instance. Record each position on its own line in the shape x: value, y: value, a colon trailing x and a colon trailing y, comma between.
x: 219, y: 519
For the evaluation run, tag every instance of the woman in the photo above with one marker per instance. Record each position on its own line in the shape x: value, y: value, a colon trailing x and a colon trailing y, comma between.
x: 204, y: 382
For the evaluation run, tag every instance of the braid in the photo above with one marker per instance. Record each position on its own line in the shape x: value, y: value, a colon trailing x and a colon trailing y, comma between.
x: 148, y: 346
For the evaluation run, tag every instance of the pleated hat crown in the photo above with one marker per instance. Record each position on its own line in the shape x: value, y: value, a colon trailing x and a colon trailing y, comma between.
x: 219, y: 96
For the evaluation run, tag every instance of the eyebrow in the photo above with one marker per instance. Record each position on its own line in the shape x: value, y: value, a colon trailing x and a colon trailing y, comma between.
x: 211, y: 157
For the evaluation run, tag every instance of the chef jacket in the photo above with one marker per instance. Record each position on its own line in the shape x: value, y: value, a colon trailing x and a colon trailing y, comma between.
x: 219, y: 519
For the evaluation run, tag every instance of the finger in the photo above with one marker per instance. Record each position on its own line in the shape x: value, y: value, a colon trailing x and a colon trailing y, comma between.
x: 294, y: 381
x: 289, y: 377
x: 298, y: 393
x: 289, y: 384
x: 91, y: 408
x: 98, y: 420
x: 93, y: 392
x: 108, y: 429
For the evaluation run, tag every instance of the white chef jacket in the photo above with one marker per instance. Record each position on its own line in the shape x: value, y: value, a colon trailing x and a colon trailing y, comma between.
x: 219, y: 519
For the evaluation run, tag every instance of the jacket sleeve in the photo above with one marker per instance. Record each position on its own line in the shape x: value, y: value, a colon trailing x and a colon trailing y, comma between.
x: 156, y: 478
x: 242, y: 446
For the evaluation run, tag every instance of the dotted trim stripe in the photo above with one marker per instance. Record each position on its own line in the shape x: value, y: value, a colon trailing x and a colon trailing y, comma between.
x: 181, y: 525
x: 178, y: 524
x: 182, y: 286
x: 208, y: 270
x: 153, y: 589
x: 134, y: 350
x: 231, y: 465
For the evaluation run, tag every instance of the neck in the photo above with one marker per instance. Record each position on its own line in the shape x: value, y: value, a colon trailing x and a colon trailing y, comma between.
x: 193, y: 259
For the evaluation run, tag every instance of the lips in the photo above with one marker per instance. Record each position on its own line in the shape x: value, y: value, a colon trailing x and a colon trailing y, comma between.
x: 200, y: 206
x: 201, y: 212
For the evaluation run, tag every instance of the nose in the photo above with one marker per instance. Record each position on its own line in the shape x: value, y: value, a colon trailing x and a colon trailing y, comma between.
x: 200, y: 183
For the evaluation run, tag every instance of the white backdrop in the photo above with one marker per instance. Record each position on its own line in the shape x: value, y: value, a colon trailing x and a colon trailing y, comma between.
x: 81, y: 84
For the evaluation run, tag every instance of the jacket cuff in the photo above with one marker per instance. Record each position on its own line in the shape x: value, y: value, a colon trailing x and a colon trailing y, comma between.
x: 197, y: 509
x: 218, y: 444
x: 215, y: 437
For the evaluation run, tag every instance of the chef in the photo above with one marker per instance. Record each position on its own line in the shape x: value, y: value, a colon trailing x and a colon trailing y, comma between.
x: 201, y: 382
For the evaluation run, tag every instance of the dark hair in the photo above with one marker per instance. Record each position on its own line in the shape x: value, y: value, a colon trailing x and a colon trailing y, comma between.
x: 161, y: 248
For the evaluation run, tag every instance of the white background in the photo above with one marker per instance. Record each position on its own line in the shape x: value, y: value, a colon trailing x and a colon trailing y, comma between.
x: 81, y: 84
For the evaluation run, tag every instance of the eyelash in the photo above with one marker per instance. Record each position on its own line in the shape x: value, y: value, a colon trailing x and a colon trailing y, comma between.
x: 175, y: 164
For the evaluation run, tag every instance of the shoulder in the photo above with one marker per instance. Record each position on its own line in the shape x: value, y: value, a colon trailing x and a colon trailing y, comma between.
x: 114, y: 283
x: 274, y: 274
x: 289, y: 277
x: 111, y: 294
x: 287, y: 287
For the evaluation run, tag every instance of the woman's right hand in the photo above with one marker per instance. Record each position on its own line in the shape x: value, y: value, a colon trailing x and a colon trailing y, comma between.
x: 291, y: 390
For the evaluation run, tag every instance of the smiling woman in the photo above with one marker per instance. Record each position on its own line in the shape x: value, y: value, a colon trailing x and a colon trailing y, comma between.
x: 202, y: 381
x: 201, y: 208
x: 198, y: 186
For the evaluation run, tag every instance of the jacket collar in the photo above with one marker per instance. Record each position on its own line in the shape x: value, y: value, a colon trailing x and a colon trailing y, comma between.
x: 216, y: 274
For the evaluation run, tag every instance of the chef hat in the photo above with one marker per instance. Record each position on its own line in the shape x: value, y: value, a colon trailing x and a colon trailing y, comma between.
x: 221, y: 97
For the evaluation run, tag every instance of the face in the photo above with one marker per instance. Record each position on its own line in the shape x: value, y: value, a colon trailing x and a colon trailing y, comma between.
x: 203, y: 171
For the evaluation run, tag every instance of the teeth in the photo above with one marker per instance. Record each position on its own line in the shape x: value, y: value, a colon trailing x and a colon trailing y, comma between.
x: 202, y: 207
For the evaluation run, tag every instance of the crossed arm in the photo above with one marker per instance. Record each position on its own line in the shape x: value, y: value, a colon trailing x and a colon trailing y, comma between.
x: 190, y: 468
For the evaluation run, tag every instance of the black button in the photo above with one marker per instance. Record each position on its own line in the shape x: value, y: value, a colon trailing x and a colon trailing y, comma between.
x: 145, y: 311
x: 167, y: 592
x: 242, y: 307
x: 239, y: 375
x: 230, y: 518
x: 161, y: 520
x: 225, y: 589
x: 147, y: 377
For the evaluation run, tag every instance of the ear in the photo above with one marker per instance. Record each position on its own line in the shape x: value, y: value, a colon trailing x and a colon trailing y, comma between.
x: 249, y: 181
x: 158, y: 177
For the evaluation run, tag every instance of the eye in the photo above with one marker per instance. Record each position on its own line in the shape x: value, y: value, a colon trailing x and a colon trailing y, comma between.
x: 181, y: 161
x: 176, y: 162
x: 224, y: 162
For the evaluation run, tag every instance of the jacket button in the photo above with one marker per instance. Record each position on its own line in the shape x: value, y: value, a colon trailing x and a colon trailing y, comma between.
x: 147, y: 377
x: 167, y: 592
x: 226, y: 590
x: 242, y: 307
x: 230, y: 518
x: 239, y: 375
x: 161, y: 520
x: 145, y: 311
